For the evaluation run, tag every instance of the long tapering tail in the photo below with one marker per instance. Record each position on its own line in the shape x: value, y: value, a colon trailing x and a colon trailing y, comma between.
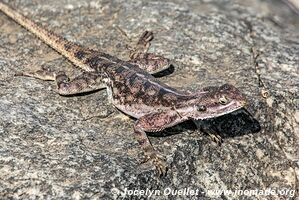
x: 60, y: 44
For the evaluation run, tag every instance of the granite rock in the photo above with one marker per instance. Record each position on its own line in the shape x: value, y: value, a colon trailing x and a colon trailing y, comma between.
x: 54, y: 147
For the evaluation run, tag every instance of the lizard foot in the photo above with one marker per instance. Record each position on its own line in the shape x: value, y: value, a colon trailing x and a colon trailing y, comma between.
x: 216, y: 138
x: 43, y: 74
x: 158, y: 161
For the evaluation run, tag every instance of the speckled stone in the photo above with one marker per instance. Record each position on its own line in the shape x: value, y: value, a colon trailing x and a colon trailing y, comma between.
x: 54, y: 147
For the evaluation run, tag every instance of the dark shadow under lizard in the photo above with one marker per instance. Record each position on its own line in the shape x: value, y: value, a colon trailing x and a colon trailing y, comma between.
x: 237, y: 123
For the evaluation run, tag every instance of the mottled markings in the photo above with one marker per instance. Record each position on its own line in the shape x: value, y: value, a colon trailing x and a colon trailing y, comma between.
x: 79, y: 85
x: 80, y: 54
x: 129, y: 98
x: 68, y: 46
x: 170, y: 98
x: 107, y: 65
x: 93, y: 61
x: 137, y: 84
x: 128, y: 73
x: 135, y: 89
x: 116, y: 91
x: 119, y: 70
x: 140, y: 100
x: 151, y: 89
x: 107, y: 56
x: 117, y: 77
x: 131, y: 80
x: 123, y: 88
x: 109, y: 68
x: 122, y: 99
x: 201, y: 108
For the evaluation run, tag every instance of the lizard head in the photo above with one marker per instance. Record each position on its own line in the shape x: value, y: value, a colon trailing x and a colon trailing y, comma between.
x: 213, y: 102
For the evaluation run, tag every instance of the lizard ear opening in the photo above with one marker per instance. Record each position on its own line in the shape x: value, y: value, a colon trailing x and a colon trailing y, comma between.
x: 201, y: 108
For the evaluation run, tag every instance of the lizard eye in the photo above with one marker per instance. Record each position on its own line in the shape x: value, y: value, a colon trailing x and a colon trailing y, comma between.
x: 223, y: 100
x: 201, y: 108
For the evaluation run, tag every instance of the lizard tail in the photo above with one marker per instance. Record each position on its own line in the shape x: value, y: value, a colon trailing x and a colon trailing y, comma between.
x: 60, y: 44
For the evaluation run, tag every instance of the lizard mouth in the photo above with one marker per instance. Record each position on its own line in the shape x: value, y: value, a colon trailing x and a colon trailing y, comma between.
x: 219, y: 111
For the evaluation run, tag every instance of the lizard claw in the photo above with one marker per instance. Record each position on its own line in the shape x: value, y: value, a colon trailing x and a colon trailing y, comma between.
x: 216, y: 138
x: 158, y: 162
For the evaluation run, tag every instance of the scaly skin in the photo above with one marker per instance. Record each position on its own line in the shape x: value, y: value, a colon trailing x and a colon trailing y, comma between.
x: 131, y: 87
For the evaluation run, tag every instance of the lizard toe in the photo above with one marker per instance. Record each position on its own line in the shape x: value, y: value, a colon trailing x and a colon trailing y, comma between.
x: 158, y: 162
x: 161, y: 166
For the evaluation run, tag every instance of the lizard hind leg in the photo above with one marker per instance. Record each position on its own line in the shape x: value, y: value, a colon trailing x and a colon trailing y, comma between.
x: 86, y: 82
x: 149, y: 62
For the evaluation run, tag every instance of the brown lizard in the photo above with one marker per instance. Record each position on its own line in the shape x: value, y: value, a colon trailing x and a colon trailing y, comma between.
x: 131, y: 87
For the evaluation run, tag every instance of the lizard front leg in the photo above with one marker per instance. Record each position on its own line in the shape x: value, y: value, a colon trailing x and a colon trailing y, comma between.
x: 153, y: 123
x: 86, y: 82
x: 149, y: 62
x: 207, y: 129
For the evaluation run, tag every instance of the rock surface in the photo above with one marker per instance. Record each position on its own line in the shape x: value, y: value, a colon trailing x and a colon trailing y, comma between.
x: 51, y: 147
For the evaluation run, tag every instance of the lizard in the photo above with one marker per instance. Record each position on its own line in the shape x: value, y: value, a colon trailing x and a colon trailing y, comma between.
x: 131, y: 86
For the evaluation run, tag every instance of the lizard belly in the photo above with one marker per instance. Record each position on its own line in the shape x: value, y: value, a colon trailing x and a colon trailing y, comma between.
x: 135, y: 110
